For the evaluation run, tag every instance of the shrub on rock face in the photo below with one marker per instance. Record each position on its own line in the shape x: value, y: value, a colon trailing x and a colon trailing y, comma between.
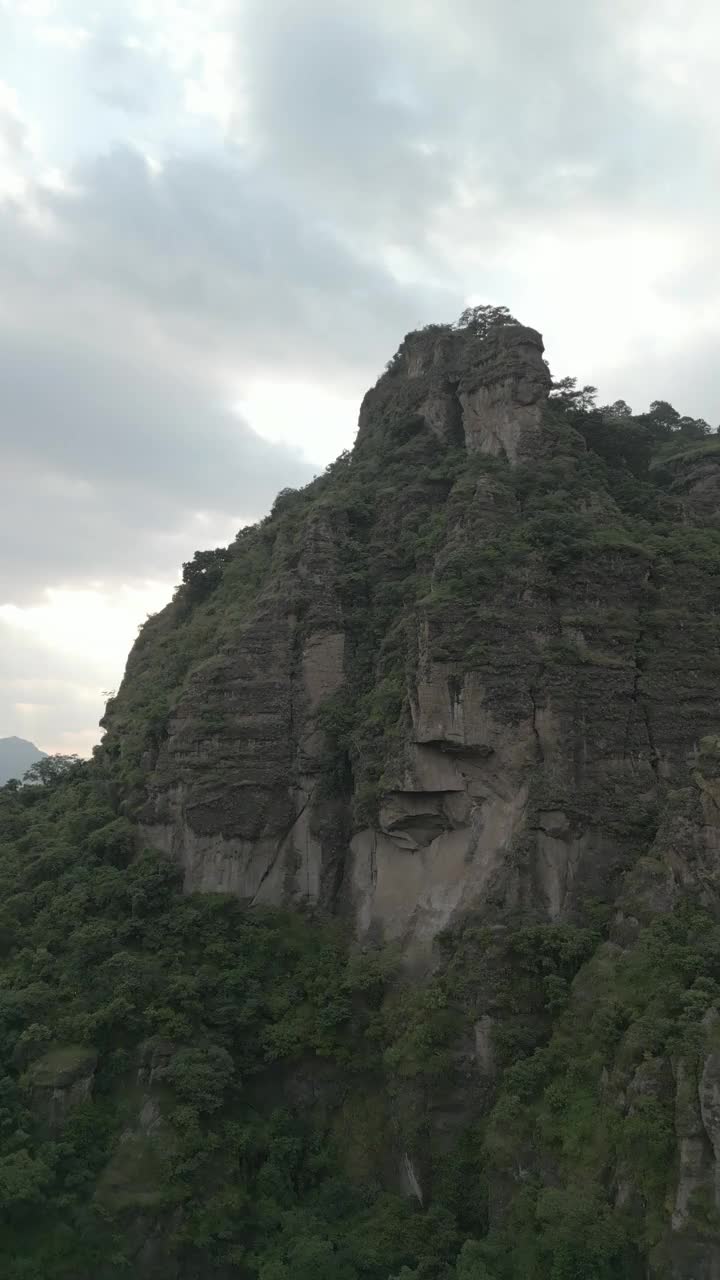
x: 62, y: 1066
x: 201, y: 1076
x: 114, y: 843
x: 203, y: 573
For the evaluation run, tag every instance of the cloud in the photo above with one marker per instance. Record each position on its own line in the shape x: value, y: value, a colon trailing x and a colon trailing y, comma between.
x: 215, y: 251
x: 555, y: 158
x: 111, y: 460
x: 57, y: 661
x: 121, y: 74
x: 256, y: 201
x: 383, y: 113
x: 14, y: 145
x: 137, y: 308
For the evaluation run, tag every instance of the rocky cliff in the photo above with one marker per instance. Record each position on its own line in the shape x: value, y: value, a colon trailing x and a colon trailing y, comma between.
x: 454, y: 671
x: 471, y: 673
x: 435, y: 752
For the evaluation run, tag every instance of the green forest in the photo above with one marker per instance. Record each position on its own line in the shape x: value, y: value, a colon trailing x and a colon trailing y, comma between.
x: 292, y: 1056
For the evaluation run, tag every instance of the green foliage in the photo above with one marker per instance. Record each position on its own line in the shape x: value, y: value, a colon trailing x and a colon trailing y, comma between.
x: 481, y: 320
x: 472, y: 1262
x: 200, y: 1076
x: 50, y: 770
x: 62, y: 1063
x: 218, y: 588
x: 203, y: 573
x: 108, y: 969
x: 114, y: 843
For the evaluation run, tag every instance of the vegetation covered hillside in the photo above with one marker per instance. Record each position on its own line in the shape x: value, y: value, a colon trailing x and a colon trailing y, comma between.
x: 380, y: 940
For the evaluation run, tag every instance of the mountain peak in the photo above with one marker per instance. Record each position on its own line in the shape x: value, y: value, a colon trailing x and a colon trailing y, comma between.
x: 16, y: 757
x: 459, y: 694
x: 481, y: 388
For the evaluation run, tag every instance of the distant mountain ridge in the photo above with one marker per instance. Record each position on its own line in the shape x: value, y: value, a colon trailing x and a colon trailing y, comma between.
x: 16, y: 756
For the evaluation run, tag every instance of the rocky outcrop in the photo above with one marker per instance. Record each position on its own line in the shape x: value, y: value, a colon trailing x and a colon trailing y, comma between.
x: 697, y: 486
x: 133, y: 1174
x: 448, y: 826
x: 692, y: 1247
x: 234, y: 789
x: 533, y: 704
x: 486, y: 393
x: 709, y: 1092
x: 61, y: 1080
x: 233, y: 785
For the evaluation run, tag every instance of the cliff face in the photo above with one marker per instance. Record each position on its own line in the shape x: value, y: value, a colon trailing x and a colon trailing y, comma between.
x: 484, y: 392
x: 468, y: 680
x: 235, y: 792
x: 545, y: 677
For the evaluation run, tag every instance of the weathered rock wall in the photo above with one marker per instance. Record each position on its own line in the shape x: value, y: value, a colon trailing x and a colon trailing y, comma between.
x: 486, y: 393
x: 544, y: 712
x: 462, y: 680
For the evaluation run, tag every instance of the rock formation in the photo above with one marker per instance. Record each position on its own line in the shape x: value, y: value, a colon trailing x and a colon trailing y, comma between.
x: 462, y: 694
x: 535, y: 705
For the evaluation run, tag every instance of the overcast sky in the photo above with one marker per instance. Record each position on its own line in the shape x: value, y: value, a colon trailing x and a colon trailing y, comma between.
x: 219, y: 217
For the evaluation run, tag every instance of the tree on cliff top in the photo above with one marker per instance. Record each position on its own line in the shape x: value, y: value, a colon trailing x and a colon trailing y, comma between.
x: 483, y: 319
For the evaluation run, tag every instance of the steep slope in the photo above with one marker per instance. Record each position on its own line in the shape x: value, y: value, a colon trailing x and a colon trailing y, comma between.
x: 461, y: 655
x: 16, y: 757
x: 418, y: 973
